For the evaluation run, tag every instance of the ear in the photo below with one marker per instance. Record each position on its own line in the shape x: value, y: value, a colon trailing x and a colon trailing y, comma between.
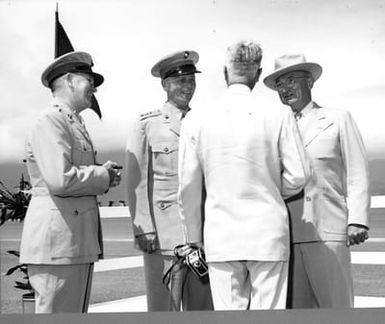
x: 226, y: 73
x: 310, y: 82
x: 165, y: 84
x: 69, y: 78
x: 259, y: 72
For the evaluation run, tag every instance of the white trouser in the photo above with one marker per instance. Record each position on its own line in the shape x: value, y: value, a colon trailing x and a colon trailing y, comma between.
x: 61, y: 288
x: 321, y: 275
x: 248, y: 284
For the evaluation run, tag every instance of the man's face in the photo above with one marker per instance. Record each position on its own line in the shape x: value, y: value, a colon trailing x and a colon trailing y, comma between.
x: 294, y: 89
x: 180, y: 89
x: 83, y: 85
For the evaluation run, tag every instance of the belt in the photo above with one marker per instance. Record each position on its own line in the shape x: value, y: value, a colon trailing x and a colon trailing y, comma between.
x: 298, y: 196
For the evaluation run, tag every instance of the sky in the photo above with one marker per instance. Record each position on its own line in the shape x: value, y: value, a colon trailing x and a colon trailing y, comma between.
x: 127, y: 37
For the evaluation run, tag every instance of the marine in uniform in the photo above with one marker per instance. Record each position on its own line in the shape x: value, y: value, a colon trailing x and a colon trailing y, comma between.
x: 152, y: 179
x: 62, y: 236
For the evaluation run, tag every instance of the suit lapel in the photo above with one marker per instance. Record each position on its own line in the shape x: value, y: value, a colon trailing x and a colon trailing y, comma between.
x: 317, y: 123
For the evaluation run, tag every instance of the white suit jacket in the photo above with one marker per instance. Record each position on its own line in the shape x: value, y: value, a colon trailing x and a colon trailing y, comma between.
x: 338, y: 193
x: 62, y: 223
x: 250, y: 158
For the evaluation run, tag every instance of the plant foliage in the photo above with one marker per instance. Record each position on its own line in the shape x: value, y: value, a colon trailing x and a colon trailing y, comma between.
x: 13, y: 205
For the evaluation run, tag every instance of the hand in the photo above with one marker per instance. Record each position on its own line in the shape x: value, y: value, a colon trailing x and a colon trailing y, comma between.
x: 186, y: 249
x: 114, y: 173
x: 356, y: 234
x: 146, y: 242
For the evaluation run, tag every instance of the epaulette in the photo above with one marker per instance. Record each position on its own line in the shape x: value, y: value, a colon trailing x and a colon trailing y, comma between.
x: 150, y: 114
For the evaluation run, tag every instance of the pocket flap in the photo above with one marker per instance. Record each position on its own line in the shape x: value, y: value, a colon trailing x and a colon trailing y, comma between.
x: 165, y: 147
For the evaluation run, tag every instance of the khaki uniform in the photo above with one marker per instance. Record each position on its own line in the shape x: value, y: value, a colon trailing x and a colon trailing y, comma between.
x: 152, y: 171
x: 62, y: 225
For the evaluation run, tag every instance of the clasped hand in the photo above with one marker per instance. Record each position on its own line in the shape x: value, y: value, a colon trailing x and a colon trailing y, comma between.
x: 356, y: 234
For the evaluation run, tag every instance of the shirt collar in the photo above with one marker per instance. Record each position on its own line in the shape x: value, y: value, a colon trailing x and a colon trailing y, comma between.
x: 60, y: 103
x: 308, y: 108
x: 170, y: 108
x: 239, y: 88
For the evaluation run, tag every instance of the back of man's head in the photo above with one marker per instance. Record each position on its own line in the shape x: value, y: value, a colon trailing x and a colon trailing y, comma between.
x: 242, y: 64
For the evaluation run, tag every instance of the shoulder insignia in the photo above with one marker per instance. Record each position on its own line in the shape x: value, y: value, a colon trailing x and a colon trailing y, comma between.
x: 150, y: 114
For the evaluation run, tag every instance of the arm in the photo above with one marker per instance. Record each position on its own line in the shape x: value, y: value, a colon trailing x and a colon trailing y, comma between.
x: 137, y: 175
x: 357, y: 180
x: 51, y: 142
x: 295, y: 164
x: 190, y: 184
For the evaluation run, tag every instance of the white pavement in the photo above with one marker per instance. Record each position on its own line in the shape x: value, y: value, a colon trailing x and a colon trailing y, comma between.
x: 138, y: 304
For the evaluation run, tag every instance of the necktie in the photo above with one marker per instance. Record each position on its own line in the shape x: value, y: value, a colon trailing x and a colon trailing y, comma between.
x: 298, y: 115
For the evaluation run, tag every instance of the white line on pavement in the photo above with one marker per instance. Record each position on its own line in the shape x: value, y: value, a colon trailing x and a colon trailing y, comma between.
x: 118, y: 263
x: 137, y: 261
x: 359, y: 257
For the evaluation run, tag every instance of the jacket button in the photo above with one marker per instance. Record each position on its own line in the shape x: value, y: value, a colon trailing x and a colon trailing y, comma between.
x: 166, y: 149
x: 308, y: 198
x: 162, y: 205
x: 76, y: 212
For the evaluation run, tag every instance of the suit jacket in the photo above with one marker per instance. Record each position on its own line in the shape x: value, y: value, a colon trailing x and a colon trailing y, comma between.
x: 62, y: 224
x: 338, y: 193
x: 250, y: 158
x: 152, y: 176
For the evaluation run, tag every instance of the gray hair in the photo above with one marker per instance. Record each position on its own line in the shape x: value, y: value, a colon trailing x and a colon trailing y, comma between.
x: 245, y: 53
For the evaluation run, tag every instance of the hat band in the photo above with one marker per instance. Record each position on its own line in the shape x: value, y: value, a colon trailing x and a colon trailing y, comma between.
x: 68, y: 68
x: 179, y: 70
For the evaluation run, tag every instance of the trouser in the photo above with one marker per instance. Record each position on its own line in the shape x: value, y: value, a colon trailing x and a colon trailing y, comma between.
x: 321, y: 275
x: 61, y: 288
x: 184, y: 291
x: 244, y: 285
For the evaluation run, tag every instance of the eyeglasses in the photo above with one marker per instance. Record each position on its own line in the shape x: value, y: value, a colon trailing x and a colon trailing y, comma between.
x: 289, y: 82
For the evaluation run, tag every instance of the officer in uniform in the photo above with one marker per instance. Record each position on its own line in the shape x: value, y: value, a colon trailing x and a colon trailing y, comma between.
x: 61, y: 236
x: 152, y: 179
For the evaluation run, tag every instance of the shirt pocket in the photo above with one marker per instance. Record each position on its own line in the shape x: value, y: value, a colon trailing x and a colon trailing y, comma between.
x: 165, y: 158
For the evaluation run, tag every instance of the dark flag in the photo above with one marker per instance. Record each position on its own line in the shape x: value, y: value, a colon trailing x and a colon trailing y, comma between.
x: 62, y: 46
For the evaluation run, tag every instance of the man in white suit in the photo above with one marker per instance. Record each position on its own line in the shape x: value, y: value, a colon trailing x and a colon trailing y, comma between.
x: 332, y: 212
x: 249, y: 158
x: 61, y: 236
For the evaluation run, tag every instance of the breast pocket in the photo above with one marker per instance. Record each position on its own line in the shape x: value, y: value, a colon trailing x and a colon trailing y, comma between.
x: 83, y: 153
x: 165, y: 158
x: 325, y: 147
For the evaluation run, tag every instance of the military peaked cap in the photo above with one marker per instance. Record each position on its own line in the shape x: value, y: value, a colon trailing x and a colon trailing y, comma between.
x: 176, y: 64
x: 72, y: 62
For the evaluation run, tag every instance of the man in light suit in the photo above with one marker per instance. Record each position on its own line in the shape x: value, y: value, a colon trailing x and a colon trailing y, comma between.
x: 249, y: 157
x: 61, y: 236
x: 152, y: 179
x: 332, y: 212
